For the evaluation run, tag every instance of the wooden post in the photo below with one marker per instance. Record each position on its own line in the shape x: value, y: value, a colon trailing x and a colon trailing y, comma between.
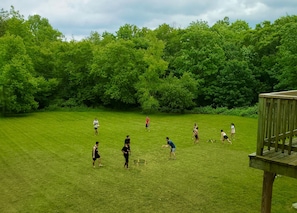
x: 268, y: 179
x: 261, y: 126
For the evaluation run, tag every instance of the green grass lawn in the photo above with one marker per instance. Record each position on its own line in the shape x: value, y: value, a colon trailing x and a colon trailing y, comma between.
x: 46, y: 165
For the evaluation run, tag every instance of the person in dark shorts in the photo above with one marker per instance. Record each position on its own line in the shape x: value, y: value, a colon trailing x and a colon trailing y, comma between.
x: 126, y: 151
x: 96, y: 155
x: 225, y: 137
x: 96, y: 125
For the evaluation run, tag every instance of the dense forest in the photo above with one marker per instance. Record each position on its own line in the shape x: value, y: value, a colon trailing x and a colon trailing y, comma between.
x: 166, y: 69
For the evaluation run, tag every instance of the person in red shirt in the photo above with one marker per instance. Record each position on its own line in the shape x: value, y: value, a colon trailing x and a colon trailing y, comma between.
x: 147, y: 123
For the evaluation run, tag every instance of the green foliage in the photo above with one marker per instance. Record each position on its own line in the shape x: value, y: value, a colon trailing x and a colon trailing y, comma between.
x: 149, y: 81
x: 149, y: 104
x: 288, y: 57
x: 19, y: 86
x: 172, y: 40
x: 46, y: 90
x: 209, y: 110
x: 116, y: 68
x: 224, y: 65
x: 251, y: 112
x: 41, y: 30
x: 176, y: 95
x: 15, y: 24
x: 235, y: 85
x: 16, y: 76
x: 72, y: 69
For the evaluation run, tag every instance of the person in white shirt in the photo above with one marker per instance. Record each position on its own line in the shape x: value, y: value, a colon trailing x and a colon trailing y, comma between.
x: 232, y: 131
x: 96, y: 125
x: 225, y: 137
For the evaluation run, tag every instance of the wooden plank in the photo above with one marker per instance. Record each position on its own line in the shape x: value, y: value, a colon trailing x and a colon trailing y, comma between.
x: 260, y: 135
x: 265, y: 117
x: 269, y: 126
x: 272, y: 166
x: 286, y: 147
x: 279, y: 156
x: 286, y: 134
x: 293, y: 162
x: 292, y: 95
x: 277, y: 122
x: 284, y: 123
x: 289, y: 143
x: 292, y: 126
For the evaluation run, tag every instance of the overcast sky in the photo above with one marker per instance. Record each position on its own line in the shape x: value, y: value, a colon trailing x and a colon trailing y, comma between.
x: 78, y: 18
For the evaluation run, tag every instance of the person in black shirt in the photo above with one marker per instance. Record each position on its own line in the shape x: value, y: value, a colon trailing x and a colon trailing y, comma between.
x: 126, y: 151
x: 96, y: 155
x: 127, y: 141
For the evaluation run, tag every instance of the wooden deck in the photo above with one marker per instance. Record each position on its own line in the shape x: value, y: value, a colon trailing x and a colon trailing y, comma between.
x: 275, y: 162
x: 276, y: 151
x: 277, y: 134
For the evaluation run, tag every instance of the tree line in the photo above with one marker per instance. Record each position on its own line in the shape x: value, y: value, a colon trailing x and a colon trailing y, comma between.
x: 166, y: 69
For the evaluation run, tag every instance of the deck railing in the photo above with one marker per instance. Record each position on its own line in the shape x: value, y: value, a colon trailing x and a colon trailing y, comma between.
x: 277, y: 122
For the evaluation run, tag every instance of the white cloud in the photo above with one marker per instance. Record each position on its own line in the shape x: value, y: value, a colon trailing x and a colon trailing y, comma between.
x: 78, y: 18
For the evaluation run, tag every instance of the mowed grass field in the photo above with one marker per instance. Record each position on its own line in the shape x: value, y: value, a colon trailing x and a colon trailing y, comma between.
x: 46, y: 165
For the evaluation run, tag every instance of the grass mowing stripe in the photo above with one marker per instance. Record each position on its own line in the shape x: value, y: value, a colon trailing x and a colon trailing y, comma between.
x: 56, y: 174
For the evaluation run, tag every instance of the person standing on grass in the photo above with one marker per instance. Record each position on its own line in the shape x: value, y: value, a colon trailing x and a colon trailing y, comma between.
x: 172, y: 147
x: 96, y: 155
x: 127, y: 141
x: 195, y: 127
x: 224, y: 137
x: 125, y: 151
x: 196, y: 136
x: 96, y: 125
x: 147, y: 123
x: 232, y: 131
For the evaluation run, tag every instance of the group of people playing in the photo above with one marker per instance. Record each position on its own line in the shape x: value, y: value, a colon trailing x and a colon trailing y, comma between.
x: 126, y: 150
x: 224, y: 136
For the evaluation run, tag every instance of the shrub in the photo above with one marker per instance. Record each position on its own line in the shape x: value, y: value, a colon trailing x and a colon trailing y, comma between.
x: 242, y: 111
